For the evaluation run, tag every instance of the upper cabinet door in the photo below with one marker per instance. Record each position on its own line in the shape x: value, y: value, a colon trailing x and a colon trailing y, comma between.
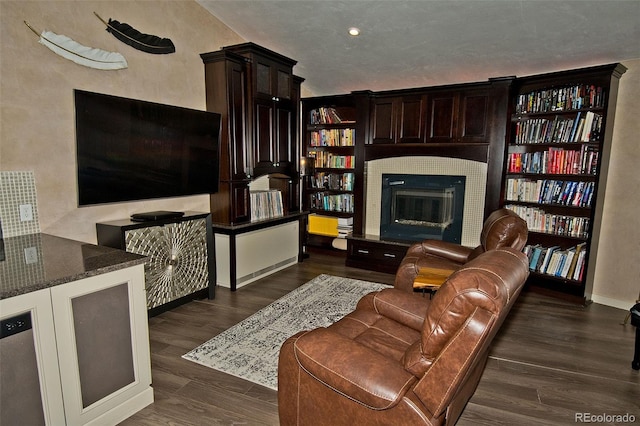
x: 411, y: 122
x: 383, y: 121
x: 442, y: 117
x: 273, y: 79
x: 398, y: 119
x: 474, y: 117
x: 460, y: 117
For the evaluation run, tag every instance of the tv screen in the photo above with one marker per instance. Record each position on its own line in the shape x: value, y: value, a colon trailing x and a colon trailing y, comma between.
x: 129, y: 149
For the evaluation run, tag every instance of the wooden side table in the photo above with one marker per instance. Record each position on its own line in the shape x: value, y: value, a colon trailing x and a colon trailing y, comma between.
x: 429, y: 280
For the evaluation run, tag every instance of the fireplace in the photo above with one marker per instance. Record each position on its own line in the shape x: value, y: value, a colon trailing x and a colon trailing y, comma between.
x: 418, y: 207
x: 474, y: 173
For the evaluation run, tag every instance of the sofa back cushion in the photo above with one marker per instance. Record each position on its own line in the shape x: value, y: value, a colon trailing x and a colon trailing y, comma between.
x: 461, y: 321
x: 503, y: 228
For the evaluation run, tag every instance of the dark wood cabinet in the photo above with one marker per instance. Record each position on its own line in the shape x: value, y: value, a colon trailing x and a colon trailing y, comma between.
x: 273, y: 109
x: 398, y: 119
x: 226, y: 82
x: 556, y: 162
x: 258, y: 97
x: 451, y: 115
x: 273, y: 142
x: 370, y: 252
x: 442, y: 117
x: 460, y: 116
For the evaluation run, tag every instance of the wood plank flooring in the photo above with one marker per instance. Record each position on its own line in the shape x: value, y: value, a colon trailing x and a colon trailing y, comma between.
x: 550, y: 362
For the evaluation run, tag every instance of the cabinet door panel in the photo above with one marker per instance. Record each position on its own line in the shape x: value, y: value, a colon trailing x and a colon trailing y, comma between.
x: 103, y: 341
x: 262, y: 148
x: 284, y: 136
x: 411, y: 120
x: 237, y: 94
x: 474, y: 118
x: 240, y: 202
x: 101, y: 322
x: 263, y: 78
x: 382, y: 121
x: 283, y: 86
x: 442, y: 126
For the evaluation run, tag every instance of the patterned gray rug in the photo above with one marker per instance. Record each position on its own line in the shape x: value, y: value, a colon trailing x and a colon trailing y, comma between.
x: 250, y: 349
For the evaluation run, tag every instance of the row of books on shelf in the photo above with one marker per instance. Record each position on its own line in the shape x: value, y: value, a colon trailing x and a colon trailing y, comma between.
x: 572, y: 97
x: 568, y: 263
x: 332, y: 202
x: 549, y: 191
x: 333, y: 137
x: 335, y: 181
x: 326, y: 115
x: 329, y: 226
x: 555, y: 161
x: 585, y: 127
x: 330, y: 160
x: 539, y: 220
x: 266, y: 204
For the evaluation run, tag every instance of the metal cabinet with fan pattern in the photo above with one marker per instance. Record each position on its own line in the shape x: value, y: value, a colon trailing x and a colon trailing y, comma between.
x: 180, y: 262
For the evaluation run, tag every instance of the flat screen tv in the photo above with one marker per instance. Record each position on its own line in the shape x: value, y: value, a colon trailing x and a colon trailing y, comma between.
x: 129, y: 149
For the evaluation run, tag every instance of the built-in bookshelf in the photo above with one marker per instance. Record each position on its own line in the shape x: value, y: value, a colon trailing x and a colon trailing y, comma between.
x: 555, y: 172
x: 330, y: 139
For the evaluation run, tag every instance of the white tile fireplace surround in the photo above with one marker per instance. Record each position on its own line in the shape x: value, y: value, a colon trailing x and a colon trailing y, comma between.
x: 474, y: 196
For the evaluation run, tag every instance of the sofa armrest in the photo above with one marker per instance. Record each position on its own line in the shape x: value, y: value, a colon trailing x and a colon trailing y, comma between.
x: 447, y: 250
x: 352, y: 369
x: 398, y: 305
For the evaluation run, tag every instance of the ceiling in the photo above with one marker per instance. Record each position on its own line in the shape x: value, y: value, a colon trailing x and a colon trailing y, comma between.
x: 420, y: 43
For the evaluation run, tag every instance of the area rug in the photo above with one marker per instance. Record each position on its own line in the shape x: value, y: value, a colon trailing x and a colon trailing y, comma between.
x: 250, y: 349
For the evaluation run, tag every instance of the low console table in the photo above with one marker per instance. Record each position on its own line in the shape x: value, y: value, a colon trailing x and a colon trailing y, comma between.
x: 180, y: 254
x: 248, y: 251
x: 374, y: 254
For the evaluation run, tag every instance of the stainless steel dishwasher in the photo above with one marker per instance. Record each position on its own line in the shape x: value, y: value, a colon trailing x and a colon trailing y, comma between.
x: 20, y: 396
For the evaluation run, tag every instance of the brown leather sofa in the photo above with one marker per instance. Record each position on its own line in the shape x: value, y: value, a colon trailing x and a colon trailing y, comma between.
x: 503, y: 228
x: 398, y: 359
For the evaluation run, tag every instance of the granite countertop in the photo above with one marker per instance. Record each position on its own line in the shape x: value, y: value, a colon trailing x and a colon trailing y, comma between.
x: 38, y: 261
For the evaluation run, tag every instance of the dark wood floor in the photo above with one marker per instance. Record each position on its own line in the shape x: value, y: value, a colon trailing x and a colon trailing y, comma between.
x: 550, y: 362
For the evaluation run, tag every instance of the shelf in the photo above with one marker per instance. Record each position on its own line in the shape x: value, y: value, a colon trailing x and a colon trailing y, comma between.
x: 560, y: 237
x: 552, y: 176
x: 343, y: 125
x: 330, y: 213
x: 558, y: 125
x: 528, y: 115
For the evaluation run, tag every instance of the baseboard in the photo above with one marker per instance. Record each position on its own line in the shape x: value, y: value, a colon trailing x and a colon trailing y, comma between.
x: 247, y: 279
x: 615, y: 303
x: 126, y: 409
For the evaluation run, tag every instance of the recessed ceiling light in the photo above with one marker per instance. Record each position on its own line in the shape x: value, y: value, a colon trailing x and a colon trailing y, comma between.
x: 353, y: 31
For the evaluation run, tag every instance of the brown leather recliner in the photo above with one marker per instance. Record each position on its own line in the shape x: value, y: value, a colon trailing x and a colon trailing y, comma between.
x: 503, y: 228
x: 398, y: 359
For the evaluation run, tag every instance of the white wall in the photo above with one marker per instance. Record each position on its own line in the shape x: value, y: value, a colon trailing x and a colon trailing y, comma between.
x: 617, y: 274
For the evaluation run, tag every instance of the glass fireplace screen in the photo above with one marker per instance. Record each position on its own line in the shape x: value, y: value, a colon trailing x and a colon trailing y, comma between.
x: 418, y: 207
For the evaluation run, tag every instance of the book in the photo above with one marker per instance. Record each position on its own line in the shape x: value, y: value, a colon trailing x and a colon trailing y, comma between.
x: 535, y: 257
x: 547, y: 258
x: 566, y: 264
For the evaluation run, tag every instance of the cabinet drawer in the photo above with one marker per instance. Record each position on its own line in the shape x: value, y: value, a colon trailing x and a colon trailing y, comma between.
x: 377, y: 256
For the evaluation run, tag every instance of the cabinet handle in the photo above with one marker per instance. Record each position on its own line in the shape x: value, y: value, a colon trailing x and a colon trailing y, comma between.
x: 363, y: 251
x: 389, y: 255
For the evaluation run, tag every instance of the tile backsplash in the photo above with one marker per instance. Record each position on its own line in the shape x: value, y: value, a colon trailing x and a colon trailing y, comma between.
x: 18, y: 204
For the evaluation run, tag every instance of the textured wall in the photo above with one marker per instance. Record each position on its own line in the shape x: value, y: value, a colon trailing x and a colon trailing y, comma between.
x: 617, y: 273
x: 37, y: 130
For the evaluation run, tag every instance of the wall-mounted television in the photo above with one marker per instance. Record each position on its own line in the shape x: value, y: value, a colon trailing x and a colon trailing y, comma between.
x: 130, y: 149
